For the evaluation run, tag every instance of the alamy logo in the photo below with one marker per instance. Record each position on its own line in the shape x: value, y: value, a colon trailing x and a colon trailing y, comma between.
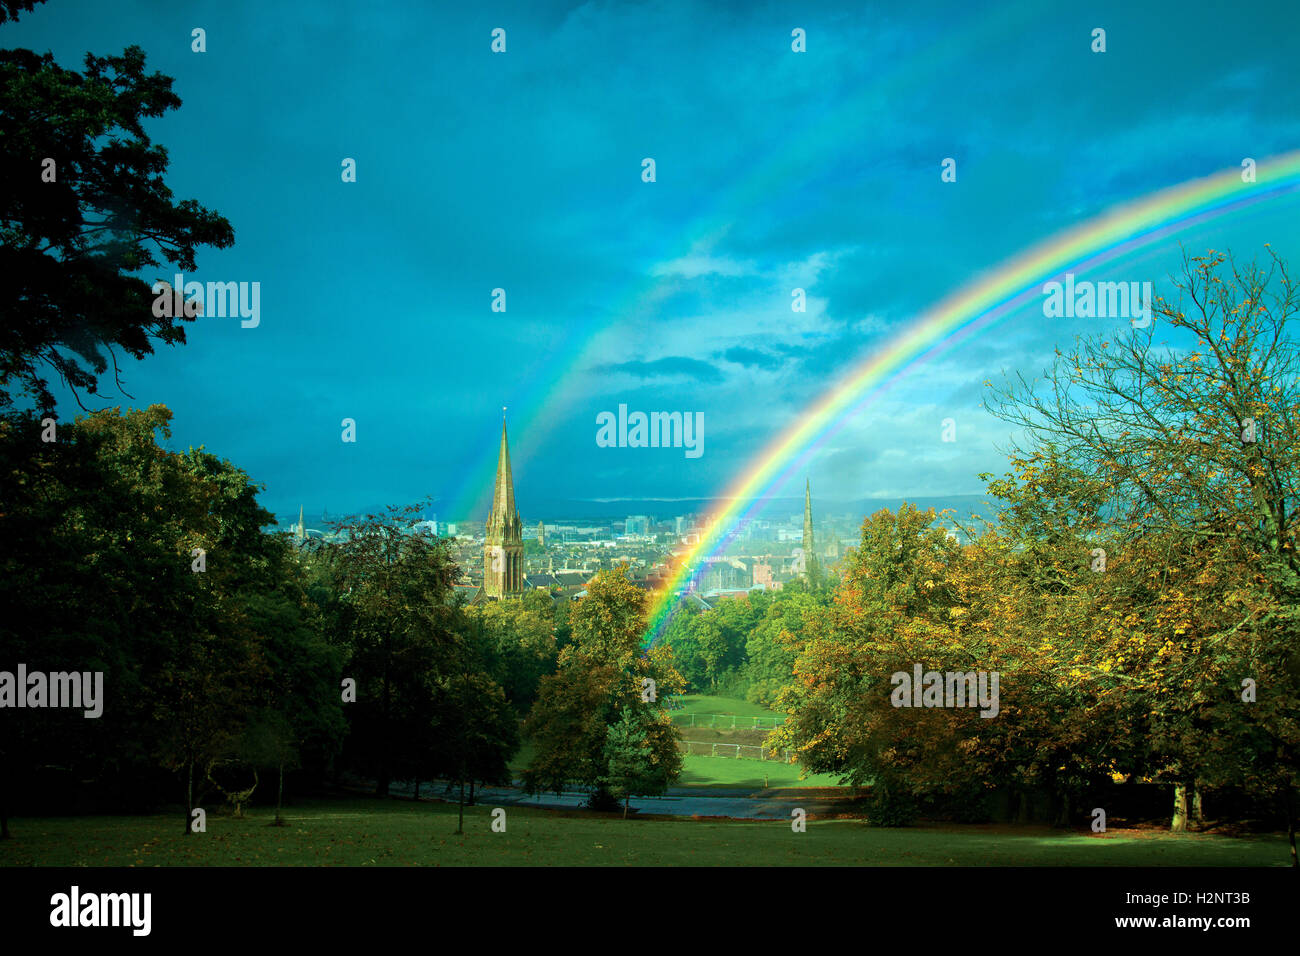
x: 946, y: 689
x: 1099, y: 300
x: 656, y: 430
x: 219, y: 299
x: 78, y: 690
x: 102, y: 909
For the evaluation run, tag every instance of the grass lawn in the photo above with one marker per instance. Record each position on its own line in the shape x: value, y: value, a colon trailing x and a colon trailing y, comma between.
x: 372, y: 832
x: 522, y: 758
x: 702, y: 771
x: 703, y: 704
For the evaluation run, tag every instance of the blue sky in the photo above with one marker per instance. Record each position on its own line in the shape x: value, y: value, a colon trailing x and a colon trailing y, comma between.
x: 774, y: 170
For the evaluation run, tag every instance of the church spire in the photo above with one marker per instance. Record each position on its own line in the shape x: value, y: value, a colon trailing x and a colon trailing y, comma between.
x: 809, y: 548
x: 503, y: 545
x: 503, y: 493
x: 300, y: 533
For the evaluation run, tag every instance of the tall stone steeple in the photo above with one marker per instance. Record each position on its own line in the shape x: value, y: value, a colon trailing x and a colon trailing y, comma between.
x: 300, y: 532
x: 809, y: 548
x: 503, y: 547
x: 541, y: 534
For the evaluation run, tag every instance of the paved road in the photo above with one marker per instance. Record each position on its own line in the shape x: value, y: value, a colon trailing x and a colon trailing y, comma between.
x: 680, y: 801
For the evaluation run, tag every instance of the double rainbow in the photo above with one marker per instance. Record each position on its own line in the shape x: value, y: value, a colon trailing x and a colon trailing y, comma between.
x: 1116, y: 232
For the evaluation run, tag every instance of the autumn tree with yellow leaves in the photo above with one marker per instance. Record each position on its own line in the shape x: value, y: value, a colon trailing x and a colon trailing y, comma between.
x: 1187, y: 430
x: 1137, y: 592
x: 605, y: 681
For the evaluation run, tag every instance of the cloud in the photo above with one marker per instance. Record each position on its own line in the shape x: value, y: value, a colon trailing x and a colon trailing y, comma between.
x: 752, y: 358
x: 675, y: 366
x: 693, y: 265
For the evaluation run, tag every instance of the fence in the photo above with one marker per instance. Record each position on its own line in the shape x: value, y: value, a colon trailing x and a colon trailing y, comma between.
x: 719, y: 721
x: 703, y: 748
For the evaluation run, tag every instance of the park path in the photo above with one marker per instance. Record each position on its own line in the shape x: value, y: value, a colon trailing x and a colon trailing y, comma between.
x: 737, y: 804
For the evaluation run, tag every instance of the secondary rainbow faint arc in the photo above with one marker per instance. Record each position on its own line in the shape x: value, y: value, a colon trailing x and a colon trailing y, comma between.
x: 559, y: 384
x: 1100, y: 239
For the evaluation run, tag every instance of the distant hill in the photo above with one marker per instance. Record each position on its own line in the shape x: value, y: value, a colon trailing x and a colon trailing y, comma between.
x: 579, y: 509
x: 575, y: 508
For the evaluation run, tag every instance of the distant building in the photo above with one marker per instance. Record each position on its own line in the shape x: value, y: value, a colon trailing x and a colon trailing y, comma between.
x: 469, y: 593
x: 636, y: 525
x: 832, y: 550
x: 503, y: 545
x: 809, y: 547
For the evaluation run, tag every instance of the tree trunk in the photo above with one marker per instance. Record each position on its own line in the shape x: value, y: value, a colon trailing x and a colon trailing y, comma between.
x: 4, y: 803
x: 471, y: 793
x: 627, y: 798
x: 1061, y: 814
x: 189, y: 794
x: 460, y: 819
x: 1288, y: 804
x: 381, y: 785
x: 279, y: 797
x: 1179, y: 822
x: 1024, y: 807
x: 1198, y: 814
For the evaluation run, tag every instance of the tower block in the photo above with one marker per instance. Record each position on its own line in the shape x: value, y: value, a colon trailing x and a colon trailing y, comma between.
x: 503, y: 548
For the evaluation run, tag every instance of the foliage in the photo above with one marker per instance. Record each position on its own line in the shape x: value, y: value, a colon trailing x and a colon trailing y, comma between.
x: 601, y: 678
x: 72, y: 249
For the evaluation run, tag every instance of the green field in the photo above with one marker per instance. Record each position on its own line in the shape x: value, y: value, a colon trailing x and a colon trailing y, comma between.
x: 703, y: 704
x: 371, y: 832
x: 702, y: 771
x: 705, y: 771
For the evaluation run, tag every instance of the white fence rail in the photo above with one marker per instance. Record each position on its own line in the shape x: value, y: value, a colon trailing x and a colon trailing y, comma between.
x: 727, y: 721
x: 705, y: 748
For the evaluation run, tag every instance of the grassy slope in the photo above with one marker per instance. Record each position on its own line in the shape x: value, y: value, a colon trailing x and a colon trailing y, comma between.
x: 702, y: 771
x: 370, y: 832
x: 703, y: 704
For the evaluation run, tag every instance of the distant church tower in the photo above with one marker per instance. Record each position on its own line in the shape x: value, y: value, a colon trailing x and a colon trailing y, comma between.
x: 541, y: 534
x: 300, y: 533
x: 809, y: 549
x: 503, y: 549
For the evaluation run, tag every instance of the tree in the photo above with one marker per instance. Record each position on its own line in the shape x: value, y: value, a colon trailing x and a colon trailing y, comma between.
x: 602, y: 675
x: 398, y: 625
x: 271, y: 741
x: 122, y: 558
x: 712, y: 642
x: 75, y: 236
x: 475, y: 733
x: 891, y: 611
x: 9, y: 9
x: 520, y: 638
x: 633, y: 756
x: 1193, y: 449
x: 769, y: 664
x: 681, y: 637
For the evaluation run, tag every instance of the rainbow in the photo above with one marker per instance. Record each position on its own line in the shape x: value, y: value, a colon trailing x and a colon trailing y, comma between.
x: 1116, y: 232
x: 555, y: 382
